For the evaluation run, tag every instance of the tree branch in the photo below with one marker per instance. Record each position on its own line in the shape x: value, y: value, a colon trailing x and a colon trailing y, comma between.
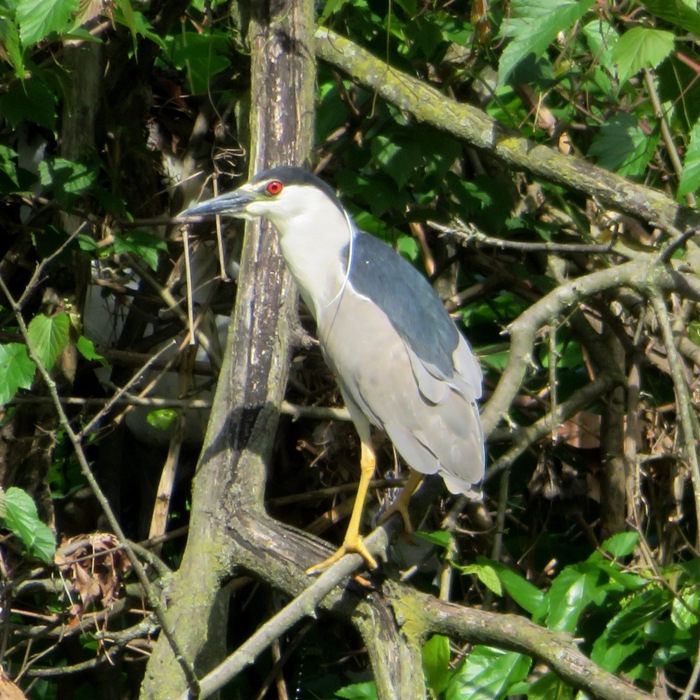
x: 429, y: 106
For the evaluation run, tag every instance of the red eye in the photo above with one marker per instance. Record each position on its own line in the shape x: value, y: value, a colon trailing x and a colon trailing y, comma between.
x: 274, y: 187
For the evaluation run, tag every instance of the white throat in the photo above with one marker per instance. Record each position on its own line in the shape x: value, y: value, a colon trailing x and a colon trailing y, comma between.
x: 314, y: 232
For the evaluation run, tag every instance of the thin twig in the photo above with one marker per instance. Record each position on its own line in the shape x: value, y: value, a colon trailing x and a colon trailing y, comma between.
x: 468, y: 233
x: 666, y: 131
x: 122, y: 392
x: 126, y: 399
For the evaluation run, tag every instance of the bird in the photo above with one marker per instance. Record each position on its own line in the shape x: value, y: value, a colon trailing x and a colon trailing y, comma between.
x: 399, y: 360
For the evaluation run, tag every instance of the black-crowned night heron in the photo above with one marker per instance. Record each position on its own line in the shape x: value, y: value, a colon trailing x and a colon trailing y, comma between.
x: 400, y: 361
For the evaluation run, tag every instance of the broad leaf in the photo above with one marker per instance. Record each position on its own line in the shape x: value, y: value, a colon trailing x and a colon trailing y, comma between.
x: 202, y: 56
x: 639, y: 48
x: 625, y: 635
x: 358, y: 691
x: 143, y: 244
x: 9, y: 33
x: 533, y: 26
x: 38, y: 18
x: 8, y: 164
x: 690, y: 176
x: 66, y: 178
x: 601, y: 38
x: 86, y: 348
x: 441, y: 538
x: 524, y: 593
x: 162, y: 418
x: 487, y: 673
x: 622, y: 146
x: 330, y: 8
x: 622, y: 544
x: 436, y: 663
x: 486, y: 573
x: 571, y: 593
x: 30, y: 100
x: 675, y: 12
x: 22, y: 519
x: 547, y: 687
x: 685, y: 609
x: 49, y: 337
x: 16, y: 370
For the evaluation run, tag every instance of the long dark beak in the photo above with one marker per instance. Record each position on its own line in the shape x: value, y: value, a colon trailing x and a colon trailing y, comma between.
x: 230, y: 204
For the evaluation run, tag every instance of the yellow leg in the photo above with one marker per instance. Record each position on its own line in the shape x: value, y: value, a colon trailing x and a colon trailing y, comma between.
x: 353, y: 541
x: 400, y: 505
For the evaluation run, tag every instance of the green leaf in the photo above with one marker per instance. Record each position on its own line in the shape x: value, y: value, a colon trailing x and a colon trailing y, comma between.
x: 9, y: 35
x: 642, y: 608
x: 694, y: 332
x: 162, y: 418
x: 548, y: 687
x: 49, y: 336
x: 143, y: 244
x: 524, y: 593
x: 441, y: 538
x: 16, y: 370
x: 601, y: 38
x: 86, y: 348
x: 487, y: 673
x: 436, y: 663
x: 621, y: 545
x: 66, y: 178
x: 533, y: 26
x: 685, y: 609
x: 330, y: 8
x: 358, y: 691
x: 408, y: 247
x: 128, y: 17
x: 639, y: 48
x: 624, y: 635
x: 690, y: 176
x: 137, y: 24
x: 38, y: 18
x: 203, y: 56
x: 675, y: 12
x: 30, y: 100
x: 623, y: 147
x: 570, y: 594
x: 22, y: 519
x: 8, y: 164
x: 486, y: 573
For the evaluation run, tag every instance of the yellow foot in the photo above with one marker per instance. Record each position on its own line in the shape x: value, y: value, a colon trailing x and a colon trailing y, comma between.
x: 400, y: 505
x: 355, y: 547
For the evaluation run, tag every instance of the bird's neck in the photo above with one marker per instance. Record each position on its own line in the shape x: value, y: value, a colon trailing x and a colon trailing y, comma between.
x: 314, y: 256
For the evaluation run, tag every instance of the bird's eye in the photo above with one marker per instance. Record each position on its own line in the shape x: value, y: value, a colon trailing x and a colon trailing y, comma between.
x: 274, y: 188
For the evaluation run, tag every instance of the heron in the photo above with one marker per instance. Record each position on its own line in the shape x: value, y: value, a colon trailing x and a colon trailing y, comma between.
x: 400, y: 361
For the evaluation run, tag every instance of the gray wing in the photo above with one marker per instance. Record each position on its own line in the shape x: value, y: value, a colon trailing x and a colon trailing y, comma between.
x: 401, y: 360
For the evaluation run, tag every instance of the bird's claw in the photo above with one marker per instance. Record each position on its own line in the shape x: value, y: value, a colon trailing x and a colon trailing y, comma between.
x: 355, y: 546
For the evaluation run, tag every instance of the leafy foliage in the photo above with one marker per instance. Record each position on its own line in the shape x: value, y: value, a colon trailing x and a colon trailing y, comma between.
x: 19, y: 515
x: 16, y: 370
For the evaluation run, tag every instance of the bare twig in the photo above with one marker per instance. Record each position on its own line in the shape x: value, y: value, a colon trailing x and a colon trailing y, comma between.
x: 468, y: 233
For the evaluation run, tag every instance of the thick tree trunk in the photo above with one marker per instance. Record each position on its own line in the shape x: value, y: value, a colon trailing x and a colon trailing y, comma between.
x: 231, y: 475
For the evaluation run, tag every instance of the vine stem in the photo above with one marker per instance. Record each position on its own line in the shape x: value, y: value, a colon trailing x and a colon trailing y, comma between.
x: 139, y: 570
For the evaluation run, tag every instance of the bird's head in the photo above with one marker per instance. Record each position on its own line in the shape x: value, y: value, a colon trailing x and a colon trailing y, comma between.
x: 285, y: 195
